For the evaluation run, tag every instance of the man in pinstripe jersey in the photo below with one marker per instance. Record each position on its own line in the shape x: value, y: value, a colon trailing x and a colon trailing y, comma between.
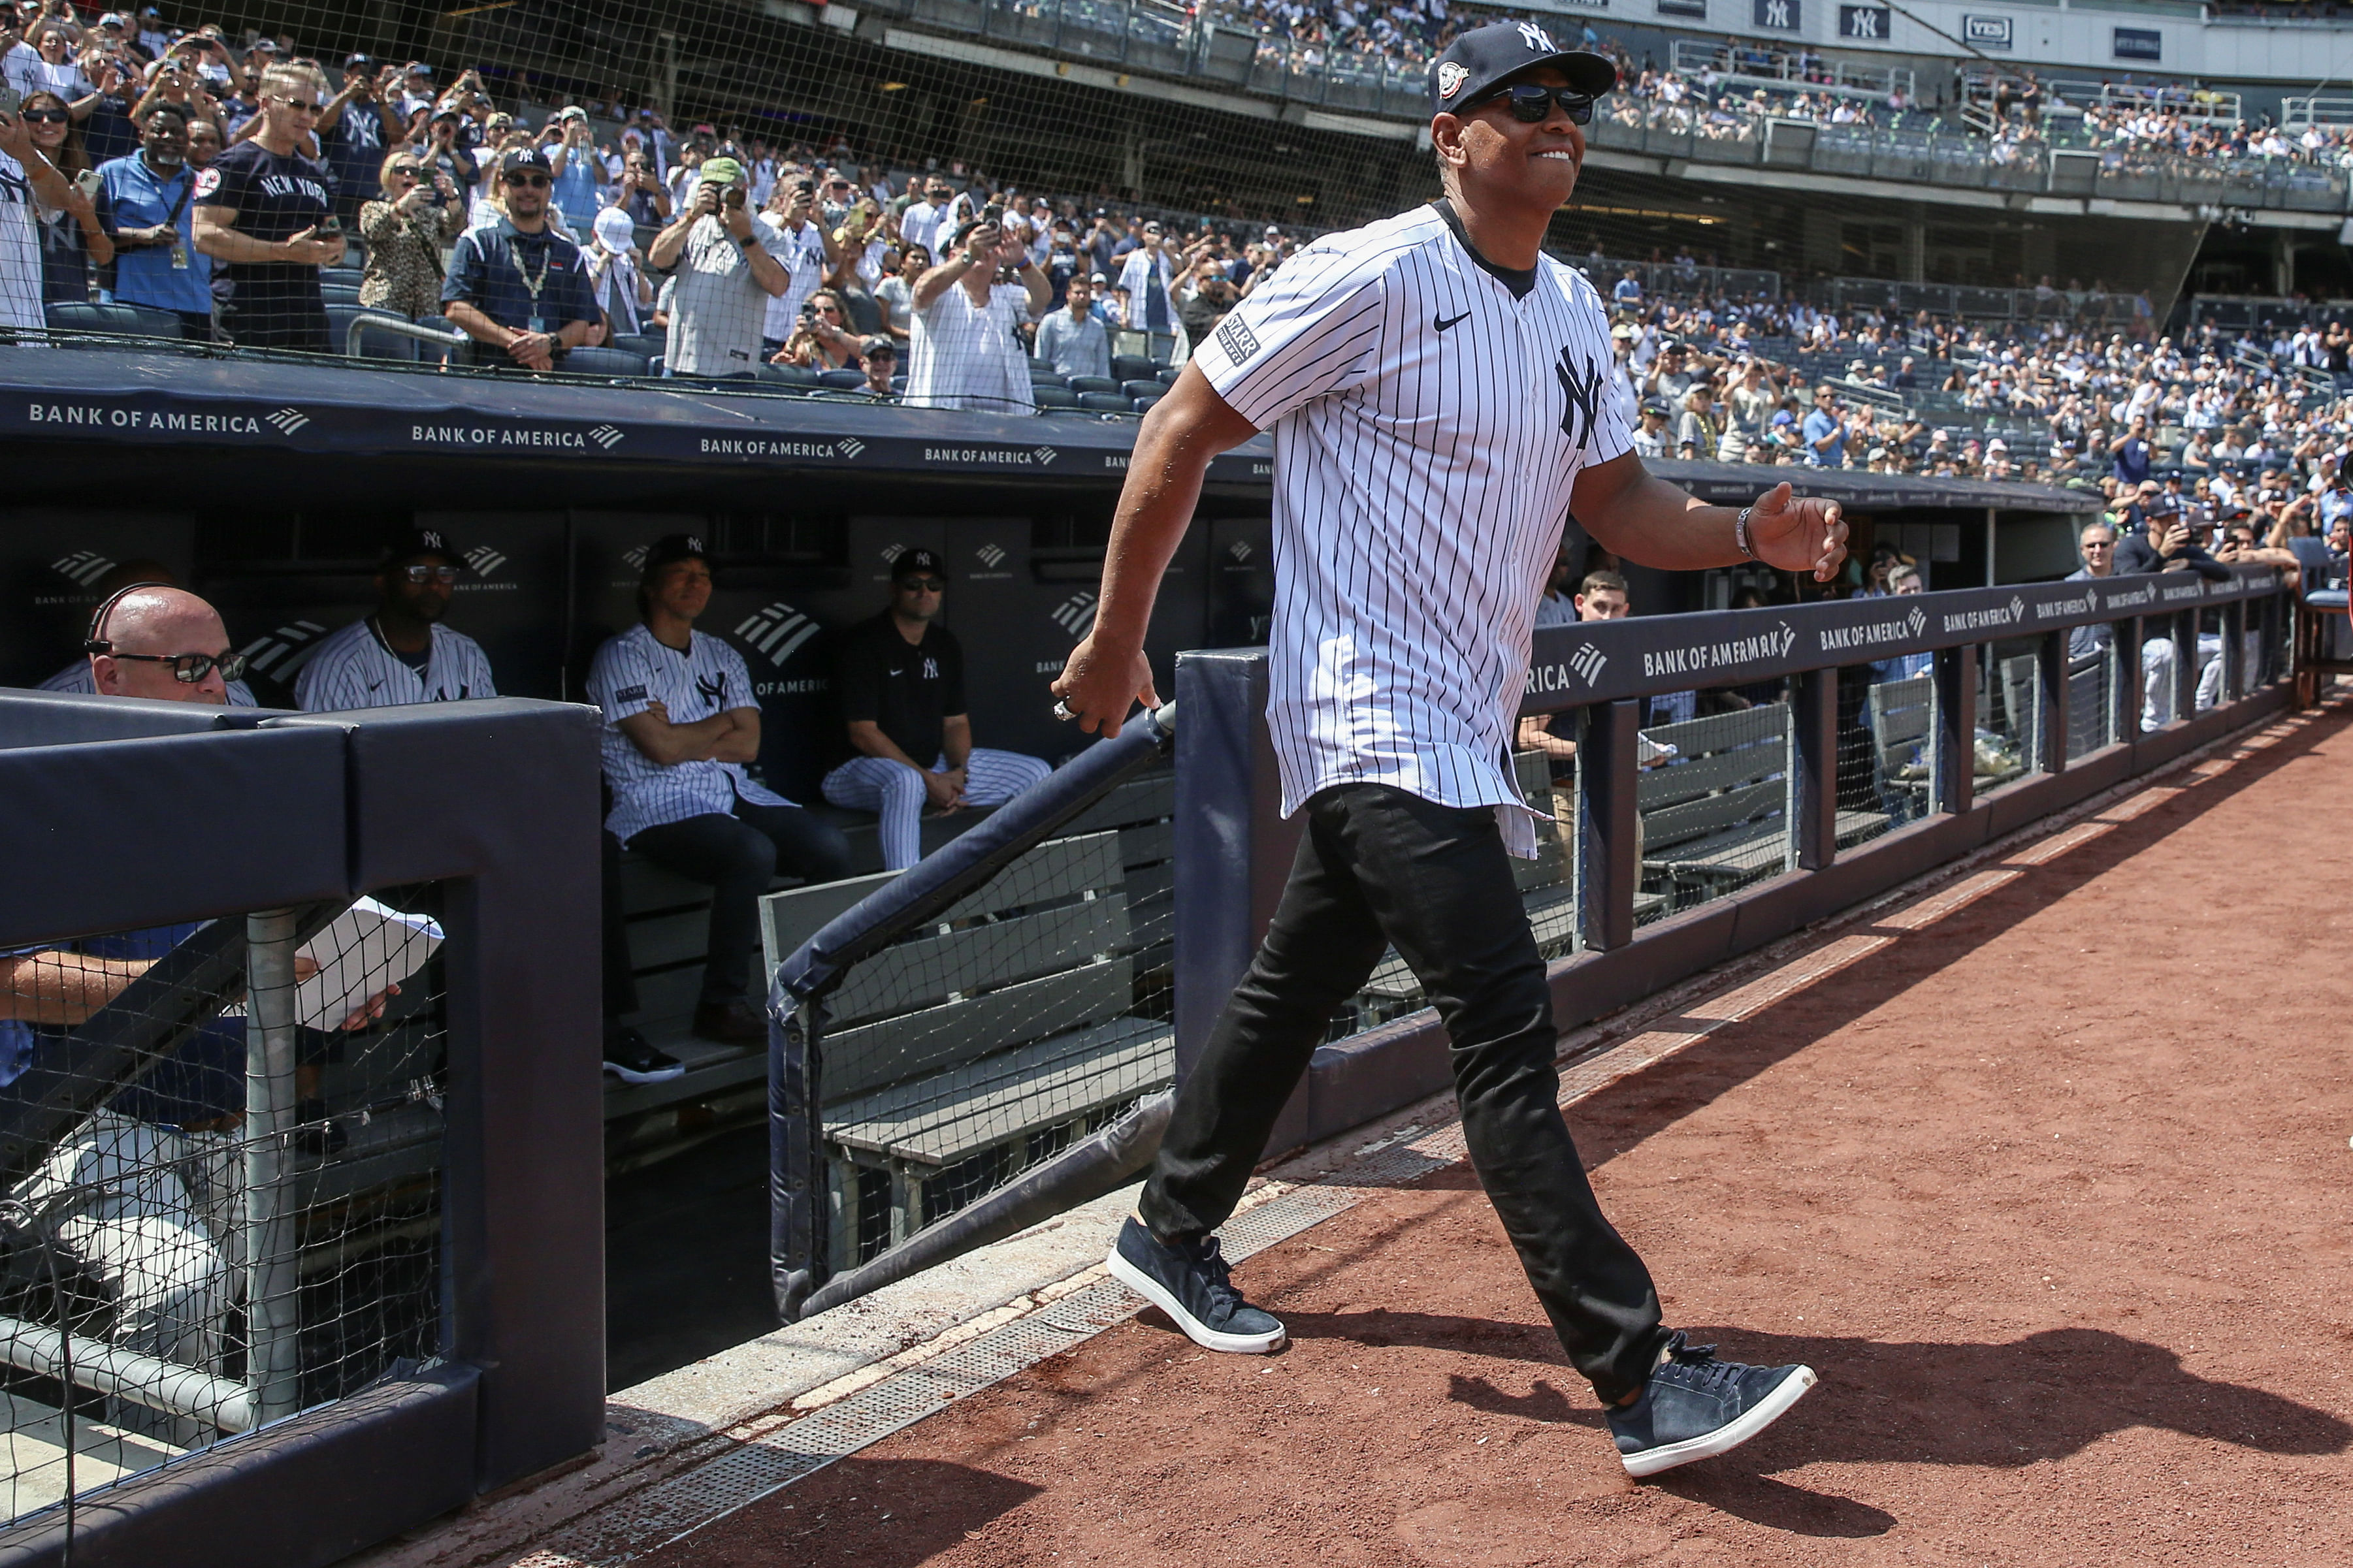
x: 1439, y: 394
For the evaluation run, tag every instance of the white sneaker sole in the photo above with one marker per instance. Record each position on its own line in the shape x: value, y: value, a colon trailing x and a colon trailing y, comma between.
x: 659, y: 1075
x: 1729, y: 1435
x: 1200, y: 1333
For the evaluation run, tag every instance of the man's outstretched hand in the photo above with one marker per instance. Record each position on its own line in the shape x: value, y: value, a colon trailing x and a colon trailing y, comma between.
x: 1798, y: 534
x: 1099, y: 686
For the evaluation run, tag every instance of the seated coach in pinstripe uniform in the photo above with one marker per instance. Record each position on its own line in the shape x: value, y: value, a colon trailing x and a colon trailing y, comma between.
x: 680, y: 725
x: 901, y: 688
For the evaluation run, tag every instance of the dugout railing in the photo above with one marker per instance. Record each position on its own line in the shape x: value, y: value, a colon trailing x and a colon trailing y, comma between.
x: 277, y: 1283
x: 1859, y: 742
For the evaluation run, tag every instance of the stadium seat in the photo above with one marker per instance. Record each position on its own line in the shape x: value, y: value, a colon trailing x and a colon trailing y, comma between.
x: 1145, y: 388
x: 846, y: 380
x: 372, y: 345
x: 655, y: 366
x: 898, y: 384
x: 1169, y: 373
x: 1144, y: 405
x: 1054, y: 397
x: 1044, y: 375
x: 789, y: 375
x: 1093, y: 384
x: 645, y: 345
x: 153, y: 322
x: 603, y: 362
x: 339, y: 293
x: 1106, y: 403
x: 1132, y: 367
x: 115, y: 320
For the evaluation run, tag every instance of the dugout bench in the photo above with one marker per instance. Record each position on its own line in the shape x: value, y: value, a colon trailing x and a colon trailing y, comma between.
x: 1029, y: 1014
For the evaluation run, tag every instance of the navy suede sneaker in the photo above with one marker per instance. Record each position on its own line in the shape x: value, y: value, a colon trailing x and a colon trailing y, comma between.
x: 1191, y: 1284
x: 1695, y: 1407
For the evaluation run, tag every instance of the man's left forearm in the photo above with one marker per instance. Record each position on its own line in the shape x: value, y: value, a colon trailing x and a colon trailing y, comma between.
x: 1644, y: 519
x: 955, y: 739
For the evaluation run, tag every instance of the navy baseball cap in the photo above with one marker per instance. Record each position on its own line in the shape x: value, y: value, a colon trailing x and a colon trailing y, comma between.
x: 915, y: 563
x: 1483, y: 56
x: 409, y: 543
x: 525, y: 158
x: 674, y: 547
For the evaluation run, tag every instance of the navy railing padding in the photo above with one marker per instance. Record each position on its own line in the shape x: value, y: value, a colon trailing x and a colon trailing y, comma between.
x: 796, y: 998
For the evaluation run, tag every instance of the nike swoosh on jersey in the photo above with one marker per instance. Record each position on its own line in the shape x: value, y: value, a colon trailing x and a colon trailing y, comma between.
x: 1442, y: 322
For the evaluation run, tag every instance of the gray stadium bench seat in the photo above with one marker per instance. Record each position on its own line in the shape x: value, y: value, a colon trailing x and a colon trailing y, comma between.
x: 338, y: 293
x: 115, y: 320
x: 1054, y: 397
x: 1025, y: 1016
x: 1169, y: 373
x: 603, y: 362
x: 843, y: 379
x: 1095, y: 383
x: 1107, y: 401
x: 153, y: 322
x: 1044, y: 375
x: 645, y: 345
x: 1718, y: 818
x: 788, y: 374
x: 1132, y: 367
x: 372, y: 345
x: 1897, y: 714
x: 1144, y: 405
x: 1147, y: 387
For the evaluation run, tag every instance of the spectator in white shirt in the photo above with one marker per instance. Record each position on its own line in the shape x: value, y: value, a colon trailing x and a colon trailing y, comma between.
x: 730, y: 265
x: 965, y: 352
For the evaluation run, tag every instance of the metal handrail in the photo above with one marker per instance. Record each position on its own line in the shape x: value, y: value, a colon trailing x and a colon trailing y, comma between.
x: 399, y: 327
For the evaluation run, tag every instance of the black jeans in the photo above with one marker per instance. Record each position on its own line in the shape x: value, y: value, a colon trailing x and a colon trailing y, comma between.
x: 739, y: 856
x: 1380, y: 867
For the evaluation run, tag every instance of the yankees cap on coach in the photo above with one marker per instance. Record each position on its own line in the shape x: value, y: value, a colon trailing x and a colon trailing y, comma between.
x: 916, y: 563
x: 1484, y: 55
x: 406, y: 544
x: 673, y: 547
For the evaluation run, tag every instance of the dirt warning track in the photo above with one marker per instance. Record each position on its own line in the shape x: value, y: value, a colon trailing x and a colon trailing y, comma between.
x: 2048, y: 1181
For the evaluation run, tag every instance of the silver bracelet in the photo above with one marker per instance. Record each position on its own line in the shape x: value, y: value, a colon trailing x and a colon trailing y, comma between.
x: 1740, y: 532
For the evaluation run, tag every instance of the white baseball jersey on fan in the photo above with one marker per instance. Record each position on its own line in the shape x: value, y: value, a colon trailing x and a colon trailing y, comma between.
x: 962, y: 355
x: 78, y: 677
x: 353, y: 668
x: 20, y: 252
x: 635, y: 671
x: 1431, y: 416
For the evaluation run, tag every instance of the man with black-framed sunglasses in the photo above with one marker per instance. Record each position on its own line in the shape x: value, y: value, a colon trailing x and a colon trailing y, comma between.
x: 401, y: 652
x: 163, y: 644
x: 519, y: 289
x: 265, y: 214
x: 1440, y: 396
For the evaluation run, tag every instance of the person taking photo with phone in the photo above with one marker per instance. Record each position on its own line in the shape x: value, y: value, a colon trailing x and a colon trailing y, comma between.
x: 729, y: 266
x: 265, y: 214
x: 73, y: 239
x: 29, y: 186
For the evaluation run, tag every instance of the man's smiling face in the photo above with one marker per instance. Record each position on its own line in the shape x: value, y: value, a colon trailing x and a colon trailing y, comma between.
x: 1521, y: 162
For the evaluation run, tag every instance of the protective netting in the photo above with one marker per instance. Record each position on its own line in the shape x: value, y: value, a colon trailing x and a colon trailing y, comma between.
x: 221, y: 1148
x: 769, y: 194
x: 1032, y: 1011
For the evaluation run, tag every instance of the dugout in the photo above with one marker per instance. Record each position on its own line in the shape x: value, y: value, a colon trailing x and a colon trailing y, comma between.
x: 267, y: 486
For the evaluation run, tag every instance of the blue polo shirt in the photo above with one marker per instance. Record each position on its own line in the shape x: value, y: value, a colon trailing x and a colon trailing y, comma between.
x: 493, y: 264
x: 137, y: 198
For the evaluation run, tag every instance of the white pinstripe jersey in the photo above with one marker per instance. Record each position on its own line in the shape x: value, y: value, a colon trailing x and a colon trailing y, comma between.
x: 635, y: 671
x: 353, y: 668
x: 1430, y: 414
x: 78, y: 677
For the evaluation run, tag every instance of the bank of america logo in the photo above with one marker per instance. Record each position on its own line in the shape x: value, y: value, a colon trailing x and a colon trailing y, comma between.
x: 84, y: 566
x: 1077, y: 615
x: 1917, y: 620
x: 285, y: 650
x: 990, y: 555
x: 2017, y: 608
x: 286, y: 420
x: 1587, y: 661
x: 891, y: 552
x: 1046, y: 455
x: 1240, y: 549
x: 777, y: 630
x: 635, y: 556
x: 849, y: 446
x: 484, y: 560
x: 606, y: 435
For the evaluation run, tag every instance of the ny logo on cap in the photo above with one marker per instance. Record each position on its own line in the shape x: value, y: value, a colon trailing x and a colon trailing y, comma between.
x: 694, y: 543
x: 432, y: 539
x: 1538, y: 40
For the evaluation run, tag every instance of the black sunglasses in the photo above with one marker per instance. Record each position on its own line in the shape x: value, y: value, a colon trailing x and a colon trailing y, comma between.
x: 925, y: 584
x: 47, y: 116
x: 1533, y: 104
x: 190, y: 668
x: 534, y: 181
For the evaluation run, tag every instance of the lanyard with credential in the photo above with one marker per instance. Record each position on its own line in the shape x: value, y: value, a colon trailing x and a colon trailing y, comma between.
x: 538, y: 323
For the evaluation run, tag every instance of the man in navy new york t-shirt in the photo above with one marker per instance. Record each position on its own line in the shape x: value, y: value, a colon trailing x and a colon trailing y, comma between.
x: 261, y: 208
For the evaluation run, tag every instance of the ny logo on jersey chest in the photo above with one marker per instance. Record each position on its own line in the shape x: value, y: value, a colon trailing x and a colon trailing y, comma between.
x: 712, y: 688
x: 1580, y: 398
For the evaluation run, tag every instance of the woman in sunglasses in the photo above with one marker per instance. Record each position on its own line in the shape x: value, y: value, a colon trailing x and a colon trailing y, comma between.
x: 73, y: 240
x: 419, y: 215
x: 30, y: 185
